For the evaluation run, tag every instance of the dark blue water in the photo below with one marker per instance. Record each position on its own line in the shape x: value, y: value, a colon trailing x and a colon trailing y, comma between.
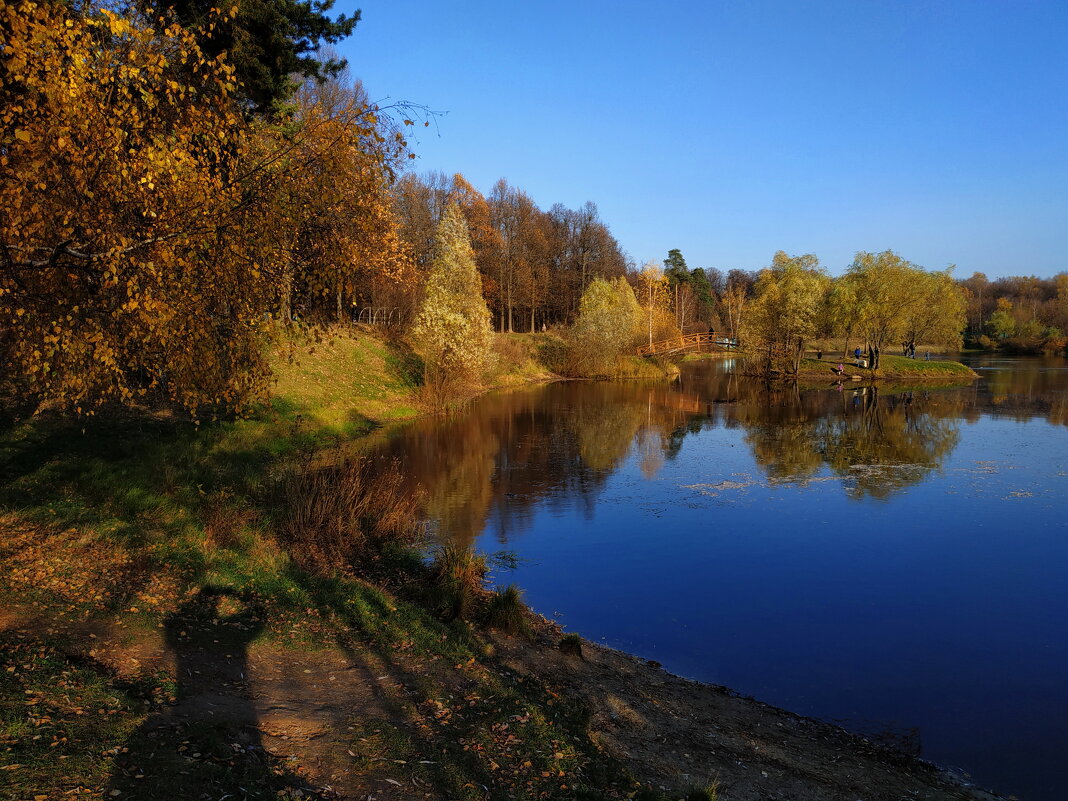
x: 892, y: 558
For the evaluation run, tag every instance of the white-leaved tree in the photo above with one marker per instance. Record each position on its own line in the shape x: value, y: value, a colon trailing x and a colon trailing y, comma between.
x: 452, y: 329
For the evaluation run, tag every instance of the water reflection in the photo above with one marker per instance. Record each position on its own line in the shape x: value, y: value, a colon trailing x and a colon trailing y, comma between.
x: 512, y: 450
x: 559, y: 443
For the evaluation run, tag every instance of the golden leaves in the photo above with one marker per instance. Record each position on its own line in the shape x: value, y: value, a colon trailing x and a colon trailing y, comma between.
x: 154, y: 236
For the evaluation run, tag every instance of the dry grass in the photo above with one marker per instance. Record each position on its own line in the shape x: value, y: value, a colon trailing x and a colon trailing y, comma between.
x: 346, y: 509
x: 458, y: 577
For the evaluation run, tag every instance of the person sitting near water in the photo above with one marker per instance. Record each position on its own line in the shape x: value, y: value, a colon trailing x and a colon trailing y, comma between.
x: 839, y: 370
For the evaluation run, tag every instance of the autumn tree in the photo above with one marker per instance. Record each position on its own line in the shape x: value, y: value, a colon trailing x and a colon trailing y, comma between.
x: 127, y: 198
x: 937, y: 310
x: 608, y: 324
x: 979, y: 297
x: 1002, y: 323
x: 452, y: 330
x: 894, y: 299
x: 842, y: 318
x: 652, y: 291
x: 335, y: 222
x: 787, y: 311
x: 878, y: 284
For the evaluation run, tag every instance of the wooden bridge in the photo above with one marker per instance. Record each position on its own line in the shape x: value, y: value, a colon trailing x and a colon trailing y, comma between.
x: 687, y: 343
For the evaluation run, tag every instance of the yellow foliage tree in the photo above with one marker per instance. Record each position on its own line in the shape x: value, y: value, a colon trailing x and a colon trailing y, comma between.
x: 150, y: 234
x: 123, y: 268
x: 338, y: 227
x: 652, y: 292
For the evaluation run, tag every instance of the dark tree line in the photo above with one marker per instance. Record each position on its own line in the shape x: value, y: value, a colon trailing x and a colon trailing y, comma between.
x: 1019, y: 312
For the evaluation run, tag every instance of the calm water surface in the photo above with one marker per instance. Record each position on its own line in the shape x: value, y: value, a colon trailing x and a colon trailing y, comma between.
x: 889, y: 558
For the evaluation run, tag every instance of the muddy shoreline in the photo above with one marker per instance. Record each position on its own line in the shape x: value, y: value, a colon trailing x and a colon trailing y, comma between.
x: 677, y: 733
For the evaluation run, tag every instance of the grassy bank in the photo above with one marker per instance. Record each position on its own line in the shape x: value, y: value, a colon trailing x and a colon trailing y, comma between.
x: 890, y: 367
x: 135, y: 547
x: 224, y: 610
x: 123, y: 529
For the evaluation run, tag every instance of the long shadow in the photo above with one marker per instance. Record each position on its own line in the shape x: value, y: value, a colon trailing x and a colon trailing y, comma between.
x: 426, y: 751
x: 207, y: 745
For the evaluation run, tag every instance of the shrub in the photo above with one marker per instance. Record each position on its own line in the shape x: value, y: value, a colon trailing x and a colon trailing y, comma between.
x: 347, y: 509
x: 457, y: 575
x: 571, y: 644
x: 507, y: 612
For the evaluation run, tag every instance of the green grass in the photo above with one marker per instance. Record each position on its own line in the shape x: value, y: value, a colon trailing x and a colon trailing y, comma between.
x: 889, y: 367
x: 506, y: 611
x: 347, y: 382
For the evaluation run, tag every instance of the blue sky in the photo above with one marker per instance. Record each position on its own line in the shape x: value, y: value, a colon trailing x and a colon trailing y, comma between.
x: 732, y: 130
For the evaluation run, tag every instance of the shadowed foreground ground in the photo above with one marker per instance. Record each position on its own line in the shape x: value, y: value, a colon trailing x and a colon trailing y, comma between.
x: 248, y: 717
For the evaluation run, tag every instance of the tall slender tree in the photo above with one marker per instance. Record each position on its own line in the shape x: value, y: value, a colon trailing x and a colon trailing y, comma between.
x: 452, y: 330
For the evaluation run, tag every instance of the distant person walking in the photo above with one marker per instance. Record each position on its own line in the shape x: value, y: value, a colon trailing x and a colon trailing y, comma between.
x: 819, y: 355
x: 927, y: 356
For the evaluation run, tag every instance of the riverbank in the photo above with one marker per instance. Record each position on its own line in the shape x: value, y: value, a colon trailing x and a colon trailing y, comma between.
x: 161, y: 637
x: 890, y: 367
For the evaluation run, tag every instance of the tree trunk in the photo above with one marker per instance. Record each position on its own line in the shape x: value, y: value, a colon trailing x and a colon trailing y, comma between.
x: 730, y: 314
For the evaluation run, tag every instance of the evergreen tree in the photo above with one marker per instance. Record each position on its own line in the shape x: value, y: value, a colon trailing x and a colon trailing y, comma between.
x: 675, y: 269
x: 703, y: 290
x: 268, y: 42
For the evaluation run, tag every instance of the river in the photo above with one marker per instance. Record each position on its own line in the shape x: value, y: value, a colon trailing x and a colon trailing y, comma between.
x: 888, y: 557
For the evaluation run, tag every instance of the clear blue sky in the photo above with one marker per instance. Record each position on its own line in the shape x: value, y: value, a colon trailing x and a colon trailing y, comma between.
x: 734, y: 129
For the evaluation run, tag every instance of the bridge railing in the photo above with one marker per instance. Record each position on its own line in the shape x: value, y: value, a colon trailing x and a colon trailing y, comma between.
x: 686, y: 342
x: 376, y: 315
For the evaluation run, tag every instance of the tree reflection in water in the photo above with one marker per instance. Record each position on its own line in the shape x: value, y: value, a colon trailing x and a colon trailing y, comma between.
x: 558, y: 444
